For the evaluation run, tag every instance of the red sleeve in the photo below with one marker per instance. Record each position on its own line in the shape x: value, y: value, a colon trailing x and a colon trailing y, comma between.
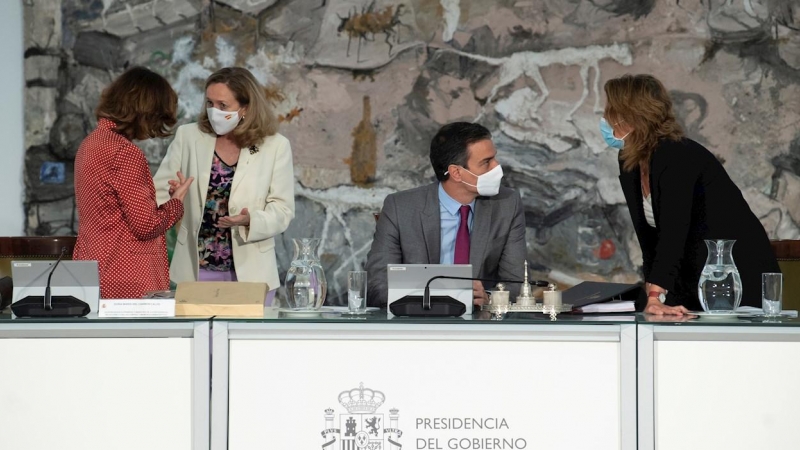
x: 136, y: 194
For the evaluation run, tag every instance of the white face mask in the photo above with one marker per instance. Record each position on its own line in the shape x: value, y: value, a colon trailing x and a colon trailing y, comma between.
x: 222, y: 122
x: 488, y: 183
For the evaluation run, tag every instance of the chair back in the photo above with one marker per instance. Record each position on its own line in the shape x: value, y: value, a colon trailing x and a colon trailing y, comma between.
x: 788, y: 254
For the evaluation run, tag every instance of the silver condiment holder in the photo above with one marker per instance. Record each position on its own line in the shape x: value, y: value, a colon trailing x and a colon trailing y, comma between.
x: 525, y: 301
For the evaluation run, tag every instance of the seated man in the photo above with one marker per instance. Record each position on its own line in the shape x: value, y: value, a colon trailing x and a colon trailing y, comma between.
x: 464, y: 218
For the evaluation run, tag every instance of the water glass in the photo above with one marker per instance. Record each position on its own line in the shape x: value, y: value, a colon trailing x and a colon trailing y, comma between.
x: 357, y: 292
x: 772, y: 294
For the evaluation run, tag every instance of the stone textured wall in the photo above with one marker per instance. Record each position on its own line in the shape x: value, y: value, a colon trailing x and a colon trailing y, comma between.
x: 362, y: 85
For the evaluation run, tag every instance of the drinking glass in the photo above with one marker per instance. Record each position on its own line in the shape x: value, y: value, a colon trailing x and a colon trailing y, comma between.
x: 357, y: 292
x: 772, y: 294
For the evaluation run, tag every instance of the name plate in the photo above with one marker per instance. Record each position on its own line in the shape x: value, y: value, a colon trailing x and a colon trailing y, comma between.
x: 149, y: 307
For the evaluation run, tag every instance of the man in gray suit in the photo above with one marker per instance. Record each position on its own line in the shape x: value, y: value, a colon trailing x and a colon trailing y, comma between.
x: 465, y: 217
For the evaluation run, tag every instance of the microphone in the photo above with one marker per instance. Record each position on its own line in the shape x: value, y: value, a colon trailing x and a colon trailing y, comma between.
x: 48, y: 301
x: 48, y: 305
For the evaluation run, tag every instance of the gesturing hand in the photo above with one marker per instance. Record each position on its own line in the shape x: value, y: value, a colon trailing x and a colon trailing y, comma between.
x: 179, y: 187
x: 242, y: 219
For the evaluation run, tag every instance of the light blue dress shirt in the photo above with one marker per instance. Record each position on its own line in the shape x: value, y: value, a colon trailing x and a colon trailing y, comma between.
x: 450, y: 219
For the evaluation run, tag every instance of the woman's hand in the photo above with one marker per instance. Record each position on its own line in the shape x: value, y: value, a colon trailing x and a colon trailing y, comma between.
x: 669, y: 319
x: 242, y: 220
x: 654, y: 306
x: 178, y: 188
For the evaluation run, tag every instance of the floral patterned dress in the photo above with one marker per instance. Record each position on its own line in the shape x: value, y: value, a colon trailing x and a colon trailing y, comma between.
x: 214, y: 243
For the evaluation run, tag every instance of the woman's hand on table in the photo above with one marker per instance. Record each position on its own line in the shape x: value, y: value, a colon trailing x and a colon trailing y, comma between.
x: 669, y: 318
x: 655, y: 307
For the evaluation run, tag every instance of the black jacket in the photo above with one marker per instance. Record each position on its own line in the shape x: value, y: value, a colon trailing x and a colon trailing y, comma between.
x: 694, y: 199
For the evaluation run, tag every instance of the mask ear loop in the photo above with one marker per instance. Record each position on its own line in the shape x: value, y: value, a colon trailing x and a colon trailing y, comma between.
x: 447, y: 172
x: 615, y: 124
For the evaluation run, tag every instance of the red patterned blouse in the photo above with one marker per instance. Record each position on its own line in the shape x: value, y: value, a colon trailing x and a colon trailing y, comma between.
x: 120, y: 224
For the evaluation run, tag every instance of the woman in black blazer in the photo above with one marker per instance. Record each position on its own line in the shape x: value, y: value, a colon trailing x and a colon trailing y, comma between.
x: 678, y: 195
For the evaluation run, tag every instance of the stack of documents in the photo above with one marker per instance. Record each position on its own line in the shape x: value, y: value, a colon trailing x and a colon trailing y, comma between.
x: 608, y: 307
x: 597, y: 297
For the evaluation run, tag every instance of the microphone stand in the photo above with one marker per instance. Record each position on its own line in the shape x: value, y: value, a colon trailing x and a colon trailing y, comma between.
x: 48, y: 302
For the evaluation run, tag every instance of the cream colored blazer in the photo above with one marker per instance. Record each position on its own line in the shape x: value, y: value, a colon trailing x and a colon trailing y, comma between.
x: 263, y: 183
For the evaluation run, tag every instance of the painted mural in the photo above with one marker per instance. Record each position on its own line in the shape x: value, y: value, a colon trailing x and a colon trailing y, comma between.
x: 361, y: 86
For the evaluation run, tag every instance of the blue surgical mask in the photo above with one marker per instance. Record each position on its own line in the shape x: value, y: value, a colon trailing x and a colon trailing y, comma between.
x: 608, y: 135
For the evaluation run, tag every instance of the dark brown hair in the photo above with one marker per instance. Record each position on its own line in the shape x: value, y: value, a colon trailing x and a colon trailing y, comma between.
x: 141, y: 103
x: 643, y: 103
x: 258, y: 122
x: 451, y: 146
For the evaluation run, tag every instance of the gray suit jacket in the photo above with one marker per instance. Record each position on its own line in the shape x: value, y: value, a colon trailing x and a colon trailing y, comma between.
x: 408, y: 232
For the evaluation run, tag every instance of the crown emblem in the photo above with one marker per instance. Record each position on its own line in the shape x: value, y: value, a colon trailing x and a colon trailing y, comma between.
x: 361, y: 400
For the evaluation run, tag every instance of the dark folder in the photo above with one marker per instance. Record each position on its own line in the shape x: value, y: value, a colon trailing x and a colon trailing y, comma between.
x: 590, y: 292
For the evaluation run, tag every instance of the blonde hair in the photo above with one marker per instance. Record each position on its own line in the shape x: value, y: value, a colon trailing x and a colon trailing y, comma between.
x: 643, y: 103
x: 258, y: 122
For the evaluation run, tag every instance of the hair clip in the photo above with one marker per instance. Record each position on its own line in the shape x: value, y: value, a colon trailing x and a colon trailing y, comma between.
x: 253, y: 149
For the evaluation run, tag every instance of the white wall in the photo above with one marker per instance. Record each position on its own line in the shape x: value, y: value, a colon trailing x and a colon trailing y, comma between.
x: 12, y: 91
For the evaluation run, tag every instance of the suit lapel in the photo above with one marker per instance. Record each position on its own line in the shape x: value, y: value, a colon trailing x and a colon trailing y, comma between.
x: 431, y: 224
x: 245, y: 159
x: 479, y: 236
x: 204, y: 153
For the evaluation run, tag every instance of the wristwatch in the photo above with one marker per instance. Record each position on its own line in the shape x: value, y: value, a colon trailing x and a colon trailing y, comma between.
x: 661, y: 296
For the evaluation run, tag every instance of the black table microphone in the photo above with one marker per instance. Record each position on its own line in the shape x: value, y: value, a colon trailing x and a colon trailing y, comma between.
x: 50, y: 306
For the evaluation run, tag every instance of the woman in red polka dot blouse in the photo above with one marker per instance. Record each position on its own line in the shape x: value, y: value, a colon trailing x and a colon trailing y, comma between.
x: 244, y: 195
x: 120, y: 224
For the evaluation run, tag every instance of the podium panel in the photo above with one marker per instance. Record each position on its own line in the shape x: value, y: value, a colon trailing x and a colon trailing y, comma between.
x: 96, y: 384
x: 729, y: 384
x: 412, y: 386
x: 703, y: 388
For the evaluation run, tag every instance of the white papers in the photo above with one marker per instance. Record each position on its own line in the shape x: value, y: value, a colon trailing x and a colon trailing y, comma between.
x: 136, y: 307
x: 758, y: 312
x: 341, y: 309
x: 608, y: 307
x: 609, y: 318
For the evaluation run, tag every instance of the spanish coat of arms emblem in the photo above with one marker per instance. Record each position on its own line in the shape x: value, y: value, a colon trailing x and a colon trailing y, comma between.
x: 362, y: 427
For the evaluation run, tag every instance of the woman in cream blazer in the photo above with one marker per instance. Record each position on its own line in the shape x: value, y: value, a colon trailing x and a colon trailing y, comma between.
x: 243, y: 195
